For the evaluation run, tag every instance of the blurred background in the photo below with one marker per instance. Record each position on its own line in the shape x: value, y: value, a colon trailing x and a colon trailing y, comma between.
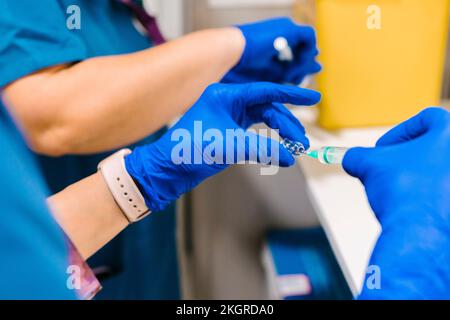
x: 178, y: 17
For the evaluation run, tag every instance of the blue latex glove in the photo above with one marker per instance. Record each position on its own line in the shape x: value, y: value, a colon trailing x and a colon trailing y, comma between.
x: 407, y: 180
x: 260, y: 62
x: 221, y: 107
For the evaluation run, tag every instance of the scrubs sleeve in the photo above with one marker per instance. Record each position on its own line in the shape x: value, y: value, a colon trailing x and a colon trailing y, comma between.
x: 34, y: 35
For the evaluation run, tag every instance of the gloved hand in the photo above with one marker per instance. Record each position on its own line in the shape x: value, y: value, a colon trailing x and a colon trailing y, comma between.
x: 260, y: 62
x: 407, y: 180
x: 164, y: 172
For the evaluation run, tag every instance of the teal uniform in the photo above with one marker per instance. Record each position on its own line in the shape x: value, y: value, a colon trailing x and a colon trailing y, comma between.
x: 32, y: 246
x: 141, y: 263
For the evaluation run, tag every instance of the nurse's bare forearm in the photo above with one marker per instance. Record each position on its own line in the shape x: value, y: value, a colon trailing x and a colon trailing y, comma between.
x: 88, y: 214
x: 108, y: 102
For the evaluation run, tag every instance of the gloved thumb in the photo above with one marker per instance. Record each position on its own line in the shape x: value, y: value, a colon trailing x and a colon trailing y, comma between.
x: 420, y: 124
x: 355, y: 162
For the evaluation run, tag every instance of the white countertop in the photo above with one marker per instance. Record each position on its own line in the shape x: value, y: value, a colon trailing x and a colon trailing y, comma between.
x: 340, y: 200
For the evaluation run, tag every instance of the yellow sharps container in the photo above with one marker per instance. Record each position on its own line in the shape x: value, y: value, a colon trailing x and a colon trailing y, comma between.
x: 383, y: 60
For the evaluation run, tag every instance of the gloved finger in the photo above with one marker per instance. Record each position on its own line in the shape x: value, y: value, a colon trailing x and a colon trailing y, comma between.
x: 304, y: 63
x: 302, y: 57
x: 261, y: 93
x: 297, y: 75
x: 302, y: 38
x: 278, y: 71
x: 277, y: 116
x: 356, y: 163
x: 267, y: 151
x: 415, y: 127
x: 315, y: 67
x: 237, y: 78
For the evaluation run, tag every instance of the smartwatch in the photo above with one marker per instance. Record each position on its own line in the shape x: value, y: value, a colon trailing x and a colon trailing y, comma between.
x: 122, y: 186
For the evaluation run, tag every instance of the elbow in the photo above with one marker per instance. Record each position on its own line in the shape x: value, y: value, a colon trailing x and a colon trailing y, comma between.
x: 50, y: 135
x: 50, y: 124
x: 56, y: 133
x: 47, y: 131
x: 52, y: 141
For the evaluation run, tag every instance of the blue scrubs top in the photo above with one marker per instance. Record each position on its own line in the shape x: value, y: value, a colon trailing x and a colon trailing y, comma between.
x: 141, y: 263
x: 34, y: 255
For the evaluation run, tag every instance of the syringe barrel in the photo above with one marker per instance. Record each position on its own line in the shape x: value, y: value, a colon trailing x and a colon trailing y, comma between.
x: 331, y: 155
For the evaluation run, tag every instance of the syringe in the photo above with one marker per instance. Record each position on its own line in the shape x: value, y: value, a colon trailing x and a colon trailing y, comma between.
x: 326, y: 155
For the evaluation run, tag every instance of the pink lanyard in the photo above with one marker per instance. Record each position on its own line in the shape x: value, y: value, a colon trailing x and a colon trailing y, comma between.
x: 147, y: 21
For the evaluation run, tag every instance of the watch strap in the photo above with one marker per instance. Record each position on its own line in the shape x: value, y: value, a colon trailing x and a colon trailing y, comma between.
x: 122, y: 186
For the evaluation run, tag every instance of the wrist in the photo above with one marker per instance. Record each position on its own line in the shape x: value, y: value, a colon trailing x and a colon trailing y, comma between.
x: 88, y: 214
x: 412, y: 259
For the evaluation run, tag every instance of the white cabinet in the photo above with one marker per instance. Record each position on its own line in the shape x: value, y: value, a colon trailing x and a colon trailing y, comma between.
x: 170, y: 14
x: 248, y: 3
